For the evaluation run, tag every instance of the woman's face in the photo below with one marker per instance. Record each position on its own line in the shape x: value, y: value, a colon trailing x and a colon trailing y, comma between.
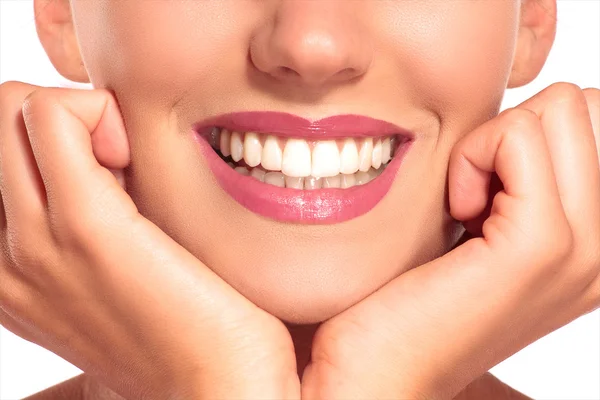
x: 435, y: 68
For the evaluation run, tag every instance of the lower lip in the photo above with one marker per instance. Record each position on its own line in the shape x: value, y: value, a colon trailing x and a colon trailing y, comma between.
x: 319, y: 206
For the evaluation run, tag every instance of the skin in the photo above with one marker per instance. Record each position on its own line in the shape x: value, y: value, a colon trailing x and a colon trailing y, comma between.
x: 300, y: 273
x: 506, y: 49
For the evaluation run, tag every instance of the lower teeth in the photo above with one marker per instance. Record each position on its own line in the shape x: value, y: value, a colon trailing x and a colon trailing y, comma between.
x: 342, y: 181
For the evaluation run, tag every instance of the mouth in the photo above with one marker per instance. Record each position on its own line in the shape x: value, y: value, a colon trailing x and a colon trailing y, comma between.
x: 290, y: 169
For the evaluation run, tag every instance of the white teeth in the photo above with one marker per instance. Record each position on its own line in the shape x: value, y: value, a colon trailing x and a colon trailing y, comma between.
x: 224, y: 142
x: 271, y: 154
x: 347, y: 181
x: 342, y: 181
x: 237, y: 147
x: 294, y: 182
x: 376, y: 158
x: 332, y: 182
x: 275, y: 178
x: 258, y: 174
x: 325, y: 159
x: 365, y: 155
x: 296, y: 158
x: 252, y: 149
x: 312, y: 183
x: 349, y: 157
x: 325, y: 166
x: 386, y: 150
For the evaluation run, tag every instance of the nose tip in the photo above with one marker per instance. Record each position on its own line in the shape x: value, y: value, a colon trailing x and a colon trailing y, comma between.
x: 306, y: 48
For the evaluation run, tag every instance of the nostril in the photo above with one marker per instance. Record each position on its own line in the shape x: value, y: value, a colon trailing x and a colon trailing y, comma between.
x: 287, y: 72
x: 346, y: 74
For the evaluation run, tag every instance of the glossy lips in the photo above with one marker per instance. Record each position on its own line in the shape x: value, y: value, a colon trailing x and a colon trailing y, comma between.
x: 324, y: 205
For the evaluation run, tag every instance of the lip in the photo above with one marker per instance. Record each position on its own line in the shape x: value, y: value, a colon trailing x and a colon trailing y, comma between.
x: 289, y: 125
x: 320, y: 206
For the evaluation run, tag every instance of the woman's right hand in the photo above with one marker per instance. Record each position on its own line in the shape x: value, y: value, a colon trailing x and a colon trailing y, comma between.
x: 87, y: 277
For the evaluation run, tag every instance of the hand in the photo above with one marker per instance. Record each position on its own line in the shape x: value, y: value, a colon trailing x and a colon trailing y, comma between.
x: 532, y: 266
x: 87, y: 277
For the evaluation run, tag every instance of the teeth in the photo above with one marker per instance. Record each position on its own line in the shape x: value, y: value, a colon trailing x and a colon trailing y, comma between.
x: 252, y: 149
x: 242, y: 170
x: 306, y: 165
x: 365, y: 155
x: 349, y: 157
x: 376, y: 158
x: 224, y: 142
x: 347, y: 181
x: 332, y: 182
x: 296, y: 158
x: 237, y: 147
x: 258, y: 174
x: 362, y: 177
x: 342, y: 181
x: 271, y: 154
x: 295, y: 183
x: 275, y: 178
x: 312, y: 183
x: 386, y: 150
x: 325, y: 159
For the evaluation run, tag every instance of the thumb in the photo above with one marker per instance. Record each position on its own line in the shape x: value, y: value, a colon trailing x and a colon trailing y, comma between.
x: 110, y: 144
x: 77, y: 136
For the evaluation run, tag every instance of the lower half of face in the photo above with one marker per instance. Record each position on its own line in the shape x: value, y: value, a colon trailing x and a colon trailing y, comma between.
x: 299, y: 149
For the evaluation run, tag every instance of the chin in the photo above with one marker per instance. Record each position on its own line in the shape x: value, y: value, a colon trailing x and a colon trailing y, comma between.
x: 312, y: 294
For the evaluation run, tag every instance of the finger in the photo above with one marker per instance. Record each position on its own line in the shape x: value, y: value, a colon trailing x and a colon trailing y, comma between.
x: 21, y: 185
x: 565, y: 118
x: 62, y: 125
x: 512, y: 145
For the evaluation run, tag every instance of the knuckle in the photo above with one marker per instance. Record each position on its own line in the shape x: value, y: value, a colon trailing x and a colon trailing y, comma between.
x: 592, y: 95
x: 34, y: 101
x: 9, y: 89
x: 519, y: 120
x: 565, y: 92
x: 12, y: 94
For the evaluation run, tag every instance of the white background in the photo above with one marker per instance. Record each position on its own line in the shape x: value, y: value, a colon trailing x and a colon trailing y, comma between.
x: 564, y: 365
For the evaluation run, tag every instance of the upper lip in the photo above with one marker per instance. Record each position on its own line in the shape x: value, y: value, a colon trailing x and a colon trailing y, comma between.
x: 284, y: 124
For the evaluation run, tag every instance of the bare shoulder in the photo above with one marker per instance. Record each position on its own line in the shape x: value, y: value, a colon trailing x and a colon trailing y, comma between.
x: 81, y: 387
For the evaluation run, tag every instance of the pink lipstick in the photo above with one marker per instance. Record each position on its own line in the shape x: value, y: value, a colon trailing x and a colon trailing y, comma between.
x: 333, y: 202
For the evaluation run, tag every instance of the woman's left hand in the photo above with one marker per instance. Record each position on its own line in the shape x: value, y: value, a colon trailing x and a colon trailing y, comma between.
x: 532, y: 266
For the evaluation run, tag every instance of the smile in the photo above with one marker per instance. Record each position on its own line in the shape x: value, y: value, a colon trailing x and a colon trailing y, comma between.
x: 290, y: 169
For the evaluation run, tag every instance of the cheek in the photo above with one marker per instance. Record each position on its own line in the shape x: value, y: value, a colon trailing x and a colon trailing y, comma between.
x: 156, y: 52
x: 457, y: 54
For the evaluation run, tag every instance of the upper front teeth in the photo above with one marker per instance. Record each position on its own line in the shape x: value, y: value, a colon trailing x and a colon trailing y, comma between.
x: 300, y: 158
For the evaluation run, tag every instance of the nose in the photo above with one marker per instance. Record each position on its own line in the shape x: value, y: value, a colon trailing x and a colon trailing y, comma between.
x: 312, y: 43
